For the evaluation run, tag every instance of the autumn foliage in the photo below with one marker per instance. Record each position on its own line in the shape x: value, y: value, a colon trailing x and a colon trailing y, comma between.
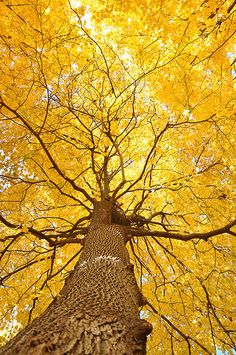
x: 135, y: 100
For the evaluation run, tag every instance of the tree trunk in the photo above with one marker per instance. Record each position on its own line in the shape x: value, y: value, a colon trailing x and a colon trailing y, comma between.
x: 96, y: 311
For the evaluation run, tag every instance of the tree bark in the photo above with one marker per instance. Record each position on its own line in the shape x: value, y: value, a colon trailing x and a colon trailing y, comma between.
x: 97, y: 310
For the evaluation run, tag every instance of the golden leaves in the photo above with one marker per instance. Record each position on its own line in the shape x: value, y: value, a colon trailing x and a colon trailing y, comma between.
x: 121, y: 92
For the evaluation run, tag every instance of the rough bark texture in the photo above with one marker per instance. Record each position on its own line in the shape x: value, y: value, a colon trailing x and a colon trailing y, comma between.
x: 97, y: 309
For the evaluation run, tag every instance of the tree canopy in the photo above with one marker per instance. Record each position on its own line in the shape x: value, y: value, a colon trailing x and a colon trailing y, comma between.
x: 133, y: 101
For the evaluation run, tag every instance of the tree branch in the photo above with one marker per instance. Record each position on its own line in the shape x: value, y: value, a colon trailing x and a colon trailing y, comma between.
x: 136, y: 232
x: 54, y: 164
x: 186, y: 337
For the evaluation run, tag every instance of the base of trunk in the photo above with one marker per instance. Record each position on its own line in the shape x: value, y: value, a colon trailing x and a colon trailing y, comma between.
x: 95, y: 314
x: 97, y: 311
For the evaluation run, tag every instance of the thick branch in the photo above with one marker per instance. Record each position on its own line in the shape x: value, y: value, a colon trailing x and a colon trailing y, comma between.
x: 33, y: 231
x: 67, y: 237
x: 7, y: 223
x: 230, y: 8
x: 136, y: 232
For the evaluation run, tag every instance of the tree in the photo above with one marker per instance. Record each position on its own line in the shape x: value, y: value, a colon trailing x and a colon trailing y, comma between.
x: 117, y: 145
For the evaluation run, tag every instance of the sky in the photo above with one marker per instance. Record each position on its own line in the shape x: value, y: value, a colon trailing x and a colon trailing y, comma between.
x: 219, y: 352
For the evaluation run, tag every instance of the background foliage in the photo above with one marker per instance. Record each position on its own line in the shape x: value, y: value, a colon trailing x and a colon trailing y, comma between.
x: 133, y: 99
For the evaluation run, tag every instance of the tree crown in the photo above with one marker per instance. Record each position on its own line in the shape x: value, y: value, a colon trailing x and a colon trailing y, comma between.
x: 134, y: 104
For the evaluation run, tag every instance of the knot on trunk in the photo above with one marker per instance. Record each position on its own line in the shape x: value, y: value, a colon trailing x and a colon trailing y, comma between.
x: 141, y: 329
